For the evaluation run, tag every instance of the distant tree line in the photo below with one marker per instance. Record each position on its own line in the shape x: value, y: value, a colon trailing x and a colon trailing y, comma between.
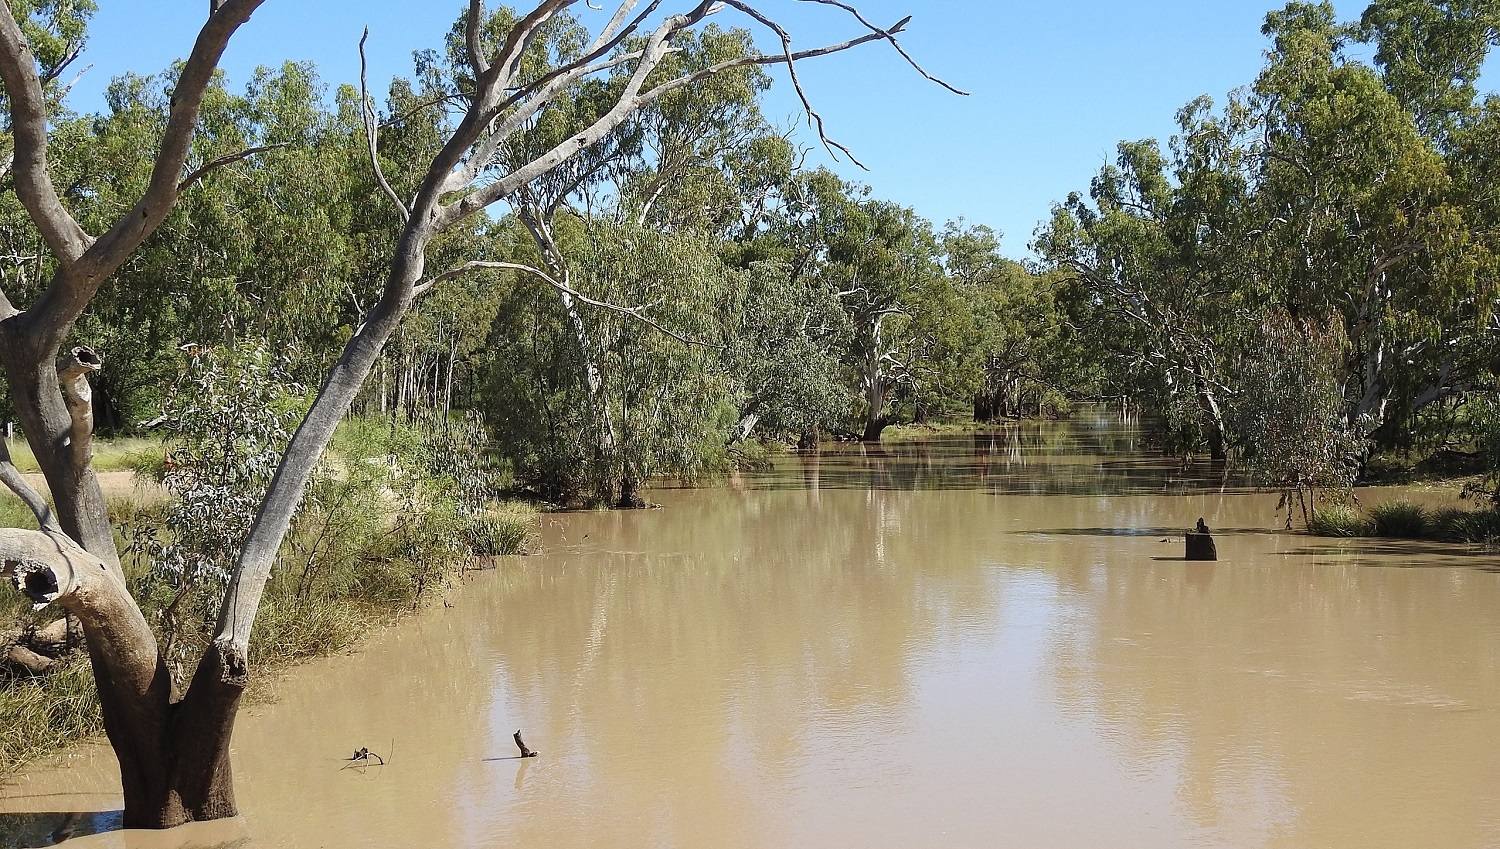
x: 678, y: 291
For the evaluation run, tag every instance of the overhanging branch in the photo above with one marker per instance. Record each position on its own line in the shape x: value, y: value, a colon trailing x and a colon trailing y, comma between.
x: 367, y: 114
x: 228, y: 159
x: 637, y: 313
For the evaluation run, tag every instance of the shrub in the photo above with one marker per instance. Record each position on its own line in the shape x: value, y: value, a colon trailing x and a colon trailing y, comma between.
x: 1456, y: 524
x: 1339, y: 520
x: 1401, y: 520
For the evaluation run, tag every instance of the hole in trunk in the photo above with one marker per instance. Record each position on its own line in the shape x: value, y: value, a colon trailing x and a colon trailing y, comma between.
x: 39, y: 585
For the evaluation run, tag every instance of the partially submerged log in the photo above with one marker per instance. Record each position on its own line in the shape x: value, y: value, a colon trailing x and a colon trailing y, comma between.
x: 1200, y: 543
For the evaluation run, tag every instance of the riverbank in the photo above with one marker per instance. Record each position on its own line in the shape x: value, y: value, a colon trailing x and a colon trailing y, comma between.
x: 864, y: 648
x: 384, y: 531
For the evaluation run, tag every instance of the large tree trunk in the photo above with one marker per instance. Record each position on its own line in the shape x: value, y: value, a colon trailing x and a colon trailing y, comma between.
x: 874, y: 386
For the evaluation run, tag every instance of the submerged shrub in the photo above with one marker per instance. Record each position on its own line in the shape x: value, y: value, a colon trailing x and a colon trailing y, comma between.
x: 1400, y: 520
x: 1339, y: 520
x: 1456, y: 524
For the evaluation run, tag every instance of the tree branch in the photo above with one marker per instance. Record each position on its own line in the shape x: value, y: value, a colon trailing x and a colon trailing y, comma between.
x: 12, y: 477
x: 367, y: 114
x: 83, y: 272
x: 228, y: 159
x: 474, y: 33
x: 28, y: 111
x: 636, y: 313
x: 48, y: 567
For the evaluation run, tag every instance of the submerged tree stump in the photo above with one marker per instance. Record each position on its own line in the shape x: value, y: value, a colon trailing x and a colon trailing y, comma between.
x: 1200, y: 543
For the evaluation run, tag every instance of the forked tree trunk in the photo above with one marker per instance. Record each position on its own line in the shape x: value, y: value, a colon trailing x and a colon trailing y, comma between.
x: 174, y: 757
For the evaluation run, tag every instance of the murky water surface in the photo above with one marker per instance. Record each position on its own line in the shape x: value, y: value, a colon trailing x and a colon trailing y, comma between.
x: 983, y: 641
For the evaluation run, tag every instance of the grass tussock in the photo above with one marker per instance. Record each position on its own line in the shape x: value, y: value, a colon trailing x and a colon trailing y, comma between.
x: 1339, y: 520
x: 1401, y: 520
x: 1405, y: 520
x: 38, y: 716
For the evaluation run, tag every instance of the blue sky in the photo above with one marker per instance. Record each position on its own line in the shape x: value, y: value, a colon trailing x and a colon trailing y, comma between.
x: 1054, y: 84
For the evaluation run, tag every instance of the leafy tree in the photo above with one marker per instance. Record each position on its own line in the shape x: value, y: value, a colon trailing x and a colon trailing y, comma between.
x: 1290, y: 412
x: 227, y: 420
x: 174, y: 756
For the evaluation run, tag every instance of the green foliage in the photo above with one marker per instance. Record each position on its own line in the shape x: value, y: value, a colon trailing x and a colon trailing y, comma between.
x: 1401, y: 520
x: 1289, y: 412
x: 1431, y: 54
x: 1405, y: 520
x: 229, y: 418
x: 1339, y: 520
x: 1459, y: 525
x: 1484, y: 418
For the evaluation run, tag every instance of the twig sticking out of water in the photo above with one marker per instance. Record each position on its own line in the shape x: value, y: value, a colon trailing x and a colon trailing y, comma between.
x: 525, y: 752
x: 362, y: 758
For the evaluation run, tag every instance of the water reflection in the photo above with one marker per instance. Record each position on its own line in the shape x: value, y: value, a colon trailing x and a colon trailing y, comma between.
x: 1092, y: 457
x: 987, y: 640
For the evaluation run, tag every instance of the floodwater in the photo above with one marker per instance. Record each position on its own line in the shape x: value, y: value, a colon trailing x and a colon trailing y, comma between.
x: 983, y: 641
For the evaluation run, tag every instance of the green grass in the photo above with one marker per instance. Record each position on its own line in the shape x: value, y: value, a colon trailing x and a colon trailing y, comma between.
x: 505, y: 528
x: 1459, y: 525
x: 110, y: 455
x: 1339, y: 520
x: 39, y: 716
x: 1405, y: 520
x: 1400, y: 520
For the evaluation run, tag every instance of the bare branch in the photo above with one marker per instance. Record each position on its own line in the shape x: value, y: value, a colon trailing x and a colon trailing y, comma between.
x: 228, y: 159
x: 83, y: 271
x: 28, y: 110
x: 833, y: 147
x: 526, y: 101
x: 607, y: 35
x: 63, y: 92
x: 367, y: 113
x: 636, y: 313
x: 509, y: 57
x: 890, y: 35
x: 474, y: 30
x: 628, y: 102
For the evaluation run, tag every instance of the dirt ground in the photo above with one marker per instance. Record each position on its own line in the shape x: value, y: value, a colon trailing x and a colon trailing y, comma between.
x: 115, y: 485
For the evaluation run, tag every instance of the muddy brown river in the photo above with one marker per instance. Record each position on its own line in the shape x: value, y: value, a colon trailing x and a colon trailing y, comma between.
x: 984, y: 641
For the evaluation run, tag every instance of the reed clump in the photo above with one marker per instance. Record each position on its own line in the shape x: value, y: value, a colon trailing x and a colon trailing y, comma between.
x: 1403, y: 519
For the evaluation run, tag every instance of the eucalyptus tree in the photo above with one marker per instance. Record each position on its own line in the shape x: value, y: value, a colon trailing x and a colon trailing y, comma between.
x: 265, y: 250
x: 1019, y: 341
x: 1430, y: 54
x: 786, y: 355
x: 1329, y: 190
x: 1360, y: 221
x: 1161, y: 301
x: 877, y: 257
x: 173, y: 748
